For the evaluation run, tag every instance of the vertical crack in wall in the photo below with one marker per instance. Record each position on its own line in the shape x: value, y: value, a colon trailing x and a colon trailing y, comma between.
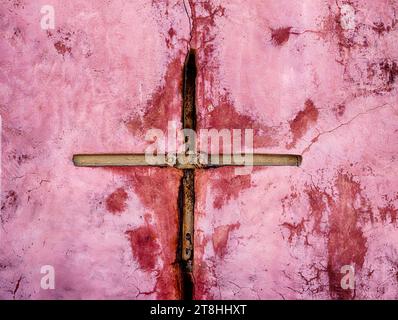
x: 186, y: 198
x: 189, y: 91
x: 190, y: 21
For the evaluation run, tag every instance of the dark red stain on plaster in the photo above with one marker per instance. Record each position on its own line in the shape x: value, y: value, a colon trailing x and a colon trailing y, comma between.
x: 204, y: 274
x: 280, y: 36
x: 10, y: 200
x: 155, y: 187
x: 388, y: 212
x: 144, y: 245
x: 116, y: 201
x: 228, y: 186
x: 169, y: 38
x: 225, y: 116
x: 336, y: 217
x: 222, y: 115
x: 221, y: 237
x: 225, y: 186
x: 205, y: 270
x: 332, y: 29
x: 62, y: 40
x: 318, y: 201
x: 164, y: 104
x: 295, y: 229
x: 171, y: 33
x: 389, y: 70
x: 346, y: 241
x: 203, y: 15
x: 382, y: 28
x: 21, y: 158
x: 62, y: 48
x: 303, y: 121
x: 339, y: 110
x: 381, y: 75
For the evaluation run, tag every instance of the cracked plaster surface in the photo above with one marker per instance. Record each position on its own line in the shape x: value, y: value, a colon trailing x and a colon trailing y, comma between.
x: 318, y: 80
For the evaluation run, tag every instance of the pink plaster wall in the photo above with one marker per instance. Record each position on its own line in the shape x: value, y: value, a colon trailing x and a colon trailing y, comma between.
x: 317, y: 78
x: 319, y: 83
x: 91, y: 85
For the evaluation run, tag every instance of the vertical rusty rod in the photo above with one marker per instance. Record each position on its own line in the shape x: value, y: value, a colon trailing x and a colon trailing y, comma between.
x: 188, y: 179
x: 188, y: 203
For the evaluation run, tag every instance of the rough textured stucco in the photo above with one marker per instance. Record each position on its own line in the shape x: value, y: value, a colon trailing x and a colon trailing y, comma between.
x: 317, y: 78
x: 84, y: 87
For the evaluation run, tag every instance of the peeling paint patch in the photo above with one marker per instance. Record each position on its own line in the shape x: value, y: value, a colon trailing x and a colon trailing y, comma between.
x: 347, y: 17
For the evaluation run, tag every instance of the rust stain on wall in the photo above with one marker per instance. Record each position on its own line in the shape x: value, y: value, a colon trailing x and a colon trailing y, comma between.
x: 145, y: 182
x: 303, y: 121
x: 221, y: 237
x: 144, y: 246
x: 116, y: 201
x: 280, y: 36
x: 162, y: 104
x: 346, y: 241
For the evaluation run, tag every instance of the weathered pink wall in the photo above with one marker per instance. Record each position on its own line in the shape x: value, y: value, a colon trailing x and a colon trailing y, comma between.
x: 106, y: 74
x: 309, y: 80
x: 319, y: 82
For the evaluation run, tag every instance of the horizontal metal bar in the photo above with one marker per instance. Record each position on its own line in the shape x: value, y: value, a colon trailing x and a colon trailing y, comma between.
x: 107, y: 160
x: 256, y: 159
x: 182, y: 161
